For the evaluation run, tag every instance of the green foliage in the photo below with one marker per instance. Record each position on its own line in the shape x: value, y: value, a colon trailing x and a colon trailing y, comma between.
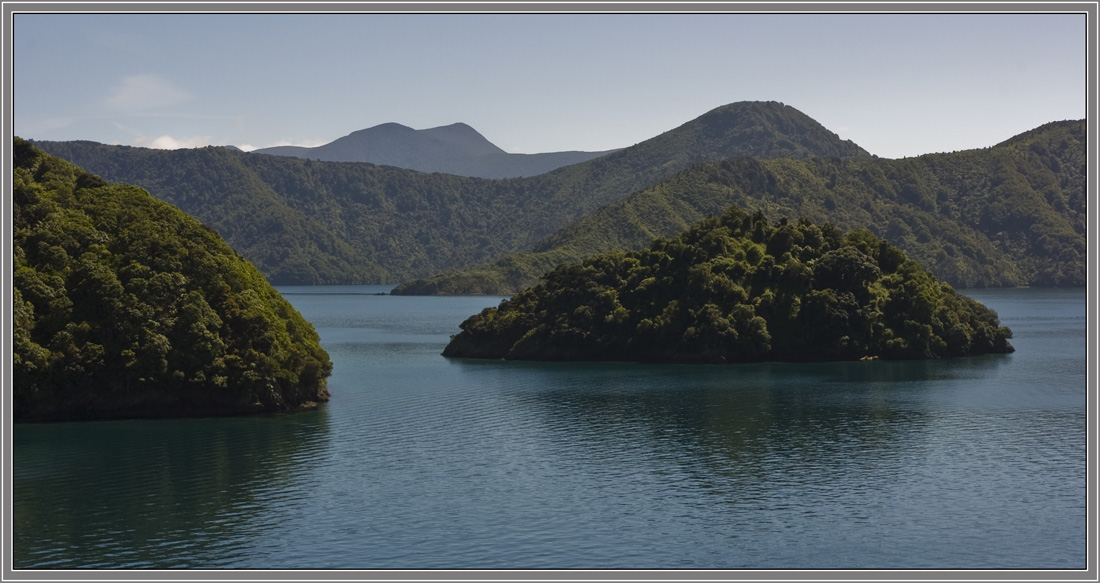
x: 307, y: 222
x: 126, y: 306
x: 737, y: 289
x: 1009, y: 215
x: 1013, y: 214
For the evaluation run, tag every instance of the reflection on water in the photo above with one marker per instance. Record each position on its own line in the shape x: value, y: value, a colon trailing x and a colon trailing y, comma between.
x: 823, y: 461
x: 127, y: 493
x: 424, y: 462
x: 740, y: 409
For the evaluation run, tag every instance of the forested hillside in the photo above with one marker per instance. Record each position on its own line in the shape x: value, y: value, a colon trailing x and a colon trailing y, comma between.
x: 738, y: 289
x: 126, y: 306
x: 1012, y: 214
x: 307, y: 222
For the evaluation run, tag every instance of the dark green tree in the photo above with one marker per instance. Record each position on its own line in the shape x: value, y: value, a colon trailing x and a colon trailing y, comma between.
x: 719, y: 293
x: 126, y: 306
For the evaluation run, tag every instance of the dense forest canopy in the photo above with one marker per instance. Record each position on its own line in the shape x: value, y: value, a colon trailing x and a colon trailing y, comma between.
x: 738, y: 288
x: 126, y: 306
x: 1012, y: 214
x: 308, y: 222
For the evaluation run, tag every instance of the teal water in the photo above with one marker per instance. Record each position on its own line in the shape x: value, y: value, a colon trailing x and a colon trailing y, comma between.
x: 423, y: 462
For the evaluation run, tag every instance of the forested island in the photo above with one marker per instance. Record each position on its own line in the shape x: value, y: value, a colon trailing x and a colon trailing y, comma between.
x: 738, y: 288
x: 125, y: 306
x: 169, y: 320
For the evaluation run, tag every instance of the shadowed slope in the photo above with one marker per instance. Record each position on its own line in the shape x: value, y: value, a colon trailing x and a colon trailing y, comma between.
x: 307, y: 222
x: 1009, y: 215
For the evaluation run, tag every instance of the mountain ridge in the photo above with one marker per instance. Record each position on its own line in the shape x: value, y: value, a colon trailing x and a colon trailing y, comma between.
x: 456, y: 149
x: 1007, y: 215
x: 304, y: 222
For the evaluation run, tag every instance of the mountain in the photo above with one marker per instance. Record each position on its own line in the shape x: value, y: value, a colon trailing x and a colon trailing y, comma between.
x: 1012, y: 214
x: 737, y: 289
x: 124, y: 306
x: 306, y: 222
x: 455, y: 149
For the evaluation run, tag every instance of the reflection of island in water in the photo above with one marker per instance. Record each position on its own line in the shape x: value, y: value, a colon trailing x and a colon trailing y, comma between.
x: 752, y: 425
x: 824, y: 461
x: 175, y: 487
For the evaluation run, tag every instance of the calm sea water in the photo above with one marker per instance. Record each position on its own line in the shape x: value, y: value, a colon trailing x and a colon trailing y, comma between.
x: 423, y: 462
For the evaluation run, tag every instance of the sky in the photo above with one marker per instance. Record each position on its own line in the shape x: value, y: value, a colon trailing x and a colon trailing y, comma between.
x: 898, y: 85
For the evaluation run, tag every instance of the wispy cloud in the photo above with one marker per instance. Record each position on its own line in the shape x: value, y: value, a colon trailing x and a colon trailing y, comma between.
x: 145, y: 92
x: 30, y: 128
x: 167, y: 142
x: 301, y: 143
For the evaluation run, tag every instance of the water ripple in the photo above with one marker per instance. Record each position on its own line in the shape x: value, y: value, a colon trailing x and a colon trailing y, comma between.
x: 424, y: 462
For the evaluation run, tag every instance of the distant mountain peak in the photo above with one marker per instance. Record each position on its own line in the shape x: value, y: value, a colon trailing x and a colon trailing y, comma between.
x: 383, y: 127
x: 779, y: 130
x: 759, y: 105
x: 452, y: 149
x: 458, y: 126
x: 465, y: 136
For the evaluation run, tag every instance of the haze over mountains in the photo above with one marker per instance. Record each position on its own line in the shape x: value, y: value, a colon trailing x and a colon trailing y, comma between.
x: 993, y: 216
x: 454, y: 149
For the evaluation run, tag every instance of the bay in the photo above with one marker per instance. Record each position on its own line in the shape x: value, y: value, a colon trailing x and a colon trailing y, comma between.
x: 419, y: 461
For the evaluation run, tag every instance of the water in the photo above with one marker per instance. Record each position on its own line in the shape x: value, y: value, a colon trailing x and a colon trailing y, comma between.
x: 424, y: 462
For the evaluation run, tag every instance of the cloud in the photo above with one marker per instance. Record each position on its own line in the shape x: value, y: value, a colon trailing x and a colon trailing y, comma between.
x: 301, y: 143
x: 145, y: 92
x: 247, y: 147
x: 167, y: 142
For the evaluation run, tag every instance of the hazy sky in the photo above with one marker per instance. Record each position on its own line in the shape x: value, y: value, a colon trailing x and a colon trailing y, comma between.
x: 896, y: 84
